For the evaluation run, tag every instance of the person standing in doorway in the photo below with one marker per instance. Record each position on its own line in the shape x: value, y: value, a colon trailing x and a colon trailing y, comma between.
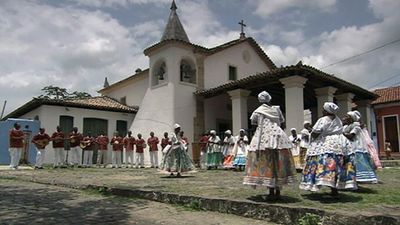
x: 388, y: 149
x: 41, y: 140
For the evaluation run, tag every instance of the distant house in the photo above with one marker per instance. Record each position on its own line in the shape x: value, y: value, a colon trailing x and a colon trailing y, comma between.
x: 94, y: 115
x: 387, y: 112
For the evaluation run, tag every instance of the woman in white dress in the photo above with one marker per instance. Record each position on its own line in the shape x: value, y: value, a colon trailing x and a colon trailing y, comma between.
x: 269, y: 160
x: 240, y: 150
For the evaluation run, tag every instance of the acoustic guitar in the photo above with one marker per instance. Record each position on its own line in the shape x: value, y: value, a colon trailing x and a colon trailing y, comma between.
x: 42, y: 143
x: 85, y: 144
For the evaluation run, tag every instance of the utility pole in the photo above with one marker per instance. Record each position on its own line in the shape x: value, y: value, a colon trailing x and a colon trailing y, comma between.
x: 4, y: 107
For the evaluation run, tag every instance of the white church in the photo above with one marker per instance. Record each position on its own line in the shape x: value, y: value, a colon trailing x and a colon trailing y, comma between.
x: 209, y: 88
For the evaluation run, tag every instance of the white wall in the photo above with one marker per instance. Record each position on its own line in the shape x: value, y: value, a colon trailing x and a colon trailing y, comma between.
x: 134, y: 90
x: 216, y: 65
x: 49, y: 117
x: 216, y: 108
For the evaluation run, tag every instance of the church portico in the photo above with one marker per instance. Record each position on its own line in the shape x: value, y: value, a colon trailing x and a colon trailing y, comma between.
x: 239, y: 109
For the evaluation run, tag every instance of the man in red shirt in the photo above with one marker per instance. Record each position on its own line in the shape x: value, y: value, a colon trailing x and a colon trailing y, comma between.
x: 75, y: 139
x: 58, y: 146
x: 165, y: 141
x: 153, y: 149
x: 117, y: 143
x: 16, y: 143
x: 102, y: 142
x: 41, y: 140
x: 140, y: 146
x: 87, y: 145
x: 185, y: 140
x: 129, y: 143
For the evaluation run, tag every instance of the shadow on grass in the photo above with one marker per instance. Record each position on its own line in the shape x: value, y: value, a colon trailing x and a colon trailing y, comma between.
x: 328, y: 199
x: 266, y: 199
x: 175, y: 177
x: 365, y: 190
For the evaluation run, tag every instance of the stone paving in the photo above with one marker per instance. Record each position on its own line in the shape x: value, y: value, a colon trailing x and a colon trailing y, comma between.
x: 30, y: 203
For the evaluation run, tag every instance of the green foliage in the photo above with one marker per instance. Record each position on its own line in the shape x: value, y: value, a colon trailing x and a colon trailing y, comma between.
x: 195, y: 205
x: 310, y: 219
x: 58, y: 93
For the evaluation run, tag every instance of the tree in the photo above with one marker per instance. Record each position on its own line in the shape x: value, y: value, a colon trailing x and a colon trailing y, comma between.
x: 58, y: 93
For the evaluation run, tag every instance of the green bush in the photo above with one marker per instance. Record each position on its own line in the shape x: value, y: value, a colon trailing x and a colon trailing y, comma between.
x: 310, y: 219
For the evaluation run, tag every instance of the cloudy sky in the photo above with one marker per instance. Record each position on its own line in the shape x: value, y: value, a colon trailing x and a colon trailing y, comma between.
x: 76, y: 43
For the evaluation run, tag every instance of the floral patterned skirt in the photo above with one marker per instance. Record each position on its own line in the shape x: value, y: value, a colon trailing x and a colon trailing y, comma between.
x: 322, y: 170
x: 177, y: 160
x: 271, y: 168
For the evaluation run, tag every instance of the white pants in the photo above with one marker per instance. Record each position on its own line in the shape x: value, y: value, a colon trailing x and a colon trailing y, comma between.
x: 129, y: 158
x: 15, y: 155
x: 75, y: 155
x: 116, y: 158
x: 154, y: 158
x: 139, y: 159
x: 102, y: 155
x: 58, y: 156
x: 88, y: 158
x: 203, y: 157
x: 40, y: 157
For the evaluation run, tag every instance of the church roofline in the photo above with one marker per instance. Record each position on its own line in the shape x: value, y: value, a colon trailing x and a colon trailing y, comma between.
x: 276, y: 74
x: 118, y: 83
x: 174, y: 28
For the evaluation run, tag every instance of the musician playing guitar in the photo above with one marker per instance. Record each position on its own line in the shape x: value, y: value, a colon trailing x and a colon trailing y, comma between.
x: 41, y: 140
x: 87, y: 145
x: 58, y: 138
x: 75, y: 139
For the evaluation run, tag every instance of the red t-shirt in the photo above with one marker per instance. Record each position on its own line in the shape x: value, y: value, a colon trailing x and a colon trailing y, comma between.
x: 203, y: 142
x: 103, y: 142
x: 58, y: 139
x: 44, y: 138
x: 90, y: 145
x: 153, y: 142
x: 117, y: 143
x: 129, y: 143
x: 165, y: 142
x: 16, y: 138
x: 140, y: 145
x: 75, y: 139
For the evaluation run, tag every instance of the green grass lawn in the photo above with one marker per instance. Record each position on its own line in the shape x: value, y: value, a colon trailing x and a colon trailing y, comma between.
x: 381, y: 198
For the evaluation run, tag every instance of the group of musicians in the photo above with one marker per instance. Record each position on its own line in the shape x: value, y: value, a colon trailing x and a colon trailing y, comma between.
x: 86, y: 144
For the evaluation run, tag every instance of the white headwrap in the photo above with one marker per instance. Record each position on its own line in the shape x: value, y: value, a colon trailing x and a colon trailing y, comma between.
x: 228, y: 132
x: 176, y: 126
x: 242, y: 130
x: 293, y: 129
x: 354, y: 115
x: 306, y: 122
x: 331, y: 107
x: 264, y: 97
x: 358, y: 114
x: 213, y: 132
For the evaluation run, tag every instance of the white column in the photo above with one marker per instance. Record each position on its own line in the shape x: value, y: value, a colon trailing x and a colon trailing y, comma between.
x: 364, y: 107
x: 294, y: 101
x: 239, y: 109
x: 344, y: 101
x: 324, y: 94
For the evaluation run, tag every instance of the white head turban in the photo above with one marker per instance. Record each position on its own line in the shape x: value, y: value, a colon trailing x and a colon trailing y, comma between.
x: 264, y: 97
x: 354, y: 115
x: 358, y: 114
x: 293, y: 129
x: 242, y: 130
x: 176, y: 126
x: 228, y: 132
x: 331, y: 107
x: 306, y: 122
x: 213, y: 132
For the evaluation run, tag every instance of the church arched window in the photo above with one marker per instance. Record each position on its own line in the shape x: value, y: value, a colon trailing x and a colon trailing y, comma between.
x: 159, y: 73
x: 188, y: 71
